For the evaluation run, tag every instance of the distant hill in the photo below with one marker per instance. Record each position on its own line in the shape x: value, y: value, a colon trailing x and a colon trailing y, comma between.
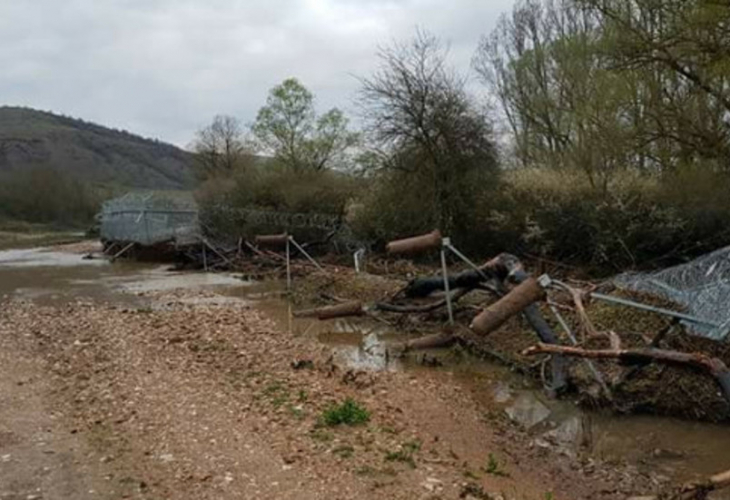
x: 30, y: 138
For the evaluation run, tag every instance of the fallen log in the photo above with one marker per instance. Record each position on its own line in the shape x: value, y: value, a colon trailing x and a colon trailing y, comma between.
x: 415, y: 244
x: 516, y: 301
x: 712, y: 366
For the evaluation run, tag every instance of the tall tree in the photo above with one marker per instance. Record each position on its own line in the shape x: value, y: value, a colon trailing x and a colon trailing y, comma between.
x: 219, y: 147
x: 426, y: 130
x: 288, y: 128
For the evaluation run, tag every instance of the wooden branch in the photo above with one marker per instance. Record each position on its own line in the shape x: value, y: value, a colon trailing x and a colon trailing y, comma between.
x: 712, y: 366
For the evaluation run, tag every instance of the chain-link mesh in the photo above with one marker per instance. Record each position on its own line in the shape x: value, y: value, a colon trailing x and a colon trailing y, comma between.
x: 702, y: 286
x: 150, y: 218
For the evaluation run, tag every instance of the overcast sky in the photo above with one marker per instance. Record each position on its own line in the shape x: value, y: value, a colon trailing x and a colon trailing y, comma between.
x: 164, y: 68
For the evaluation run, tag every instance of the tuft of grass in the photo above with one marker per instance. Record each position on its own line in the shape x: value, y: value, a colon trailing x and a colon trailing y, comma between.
x: 405, y: 453
x: 493, y: 467
x: 349, y: 412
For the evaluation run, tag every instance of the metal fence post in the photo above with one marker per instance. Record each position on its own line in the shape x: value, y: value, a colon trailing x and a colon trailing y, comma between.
x: 445, y: 243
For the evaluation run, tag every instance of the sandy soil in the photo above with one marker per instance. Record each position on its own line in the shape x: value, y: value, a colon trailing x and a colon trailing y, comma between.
x: 212, y: 401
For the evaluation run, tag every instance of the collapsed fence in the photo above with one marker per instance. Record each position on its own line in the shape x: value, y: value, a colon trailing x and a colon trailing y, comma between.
x: 697, y: 290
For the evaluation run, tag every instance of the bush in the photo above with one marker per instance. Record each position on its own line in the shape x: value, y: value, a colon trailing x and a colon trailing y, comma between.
x: 44, y: 195
x: 348, y: 413
x: 271, y: 187
x: 634, y: 221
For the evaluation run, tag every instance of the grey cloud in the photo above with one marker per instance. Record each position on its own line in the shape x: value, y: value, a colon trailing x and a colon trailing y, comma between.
x: 163, y: 68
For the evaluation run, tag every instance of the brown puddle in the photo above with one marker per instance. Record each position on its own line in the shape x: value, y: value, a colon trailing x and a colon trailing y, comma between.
x: 682, y: 450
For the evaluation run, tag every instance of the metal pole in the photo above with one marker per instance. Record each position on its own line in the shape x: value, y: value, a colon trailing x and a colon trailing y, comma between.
x: 205, y: 258
x: 294, y: 242
x: 659, y: 310
x: 465, y: 259
x: 591, y: 367
x: 445, y: 272
x: 288, y: 265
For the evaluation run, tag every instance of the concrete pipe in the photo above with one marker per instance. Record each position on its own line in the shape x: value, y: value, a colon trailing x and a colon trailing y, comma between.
x: 519, y: 298
x: 416, y: 244
x: 272, y: 240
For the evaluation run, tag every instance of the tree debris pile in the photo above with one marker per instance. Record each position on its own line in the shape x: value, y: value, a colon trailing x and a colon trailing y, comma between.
x: 661, y: 369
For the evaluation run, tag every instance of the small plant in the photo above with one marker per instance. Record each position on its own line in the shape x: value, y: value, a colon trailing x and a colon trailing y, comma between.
x: 470, y: 475
x: 302, y: 396
x: 549, y: 495
x: 348, y: 413
x: 405, y: 453
x: 493, y: 467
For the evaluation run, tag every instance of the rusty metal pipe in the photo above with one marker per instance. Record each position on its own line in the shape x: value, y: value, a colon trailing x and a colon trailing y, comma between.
x: 415, y: 244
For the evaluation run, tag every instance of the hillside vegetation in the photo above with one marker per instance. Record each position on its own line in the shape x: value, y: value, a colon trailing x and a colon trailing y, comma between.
x: 57, y: 170
x: 36, y: 139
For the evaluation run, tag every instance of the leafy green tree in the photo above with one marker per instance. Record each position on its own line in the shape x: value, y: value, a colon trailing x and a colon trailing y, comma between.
x: 289, y: 129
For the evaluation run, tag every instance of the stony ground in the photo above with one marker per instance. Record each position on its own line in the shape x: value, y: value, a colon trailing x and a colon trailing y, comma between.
x: 212, y: 401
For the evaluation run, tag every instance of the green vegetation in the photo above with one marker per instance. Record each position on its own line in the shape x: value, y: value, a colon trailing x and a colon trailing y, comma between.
x: 493, y: 467
x: 348, y: 413
x: 610, y: 147
x: 56, y: 170
x: 31, y: 139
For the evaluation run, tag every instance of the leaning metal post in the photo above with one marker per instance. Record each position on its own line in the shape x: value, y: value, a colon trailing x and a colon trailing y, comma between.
x: 464, y: 258
x: 445, y: 244
x: 304, y: 252
x: 288, y: 265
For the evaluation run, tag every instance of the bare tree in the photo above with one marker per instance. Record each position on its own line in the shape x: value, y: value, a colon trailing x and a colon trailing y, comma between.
x: 424, y: 126
x: 219, y: 147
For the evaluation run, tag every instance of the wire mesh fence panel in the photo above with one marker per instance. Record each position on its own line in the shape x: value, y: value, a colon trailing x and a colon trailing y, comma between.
x: 701, y: 286
x: 150, y: 218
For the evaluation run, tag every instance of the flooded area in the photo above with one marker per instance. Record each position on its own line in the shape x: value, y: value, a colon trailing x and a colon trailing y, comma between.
x: 681, y: 450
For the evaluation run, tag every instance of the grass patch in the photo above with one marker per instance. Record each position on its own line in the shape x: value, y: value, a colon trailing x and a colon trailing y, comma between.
x: 405, y: 454
x: 494, y: 468
x: 348, y: 413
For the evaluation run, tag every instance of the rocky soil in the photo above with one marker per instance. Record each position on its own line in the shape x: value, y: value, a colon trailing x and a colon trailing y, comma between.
x: 207, y: 399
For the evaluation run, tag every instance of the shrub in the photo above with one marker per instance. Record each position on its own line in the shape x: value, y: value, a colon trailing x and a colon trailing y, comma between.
x: 348, y: 413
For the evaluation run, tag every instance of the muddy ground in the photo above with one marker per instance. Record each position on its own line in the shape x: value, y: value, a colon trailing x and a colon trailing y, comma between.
x: 181, y: 392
